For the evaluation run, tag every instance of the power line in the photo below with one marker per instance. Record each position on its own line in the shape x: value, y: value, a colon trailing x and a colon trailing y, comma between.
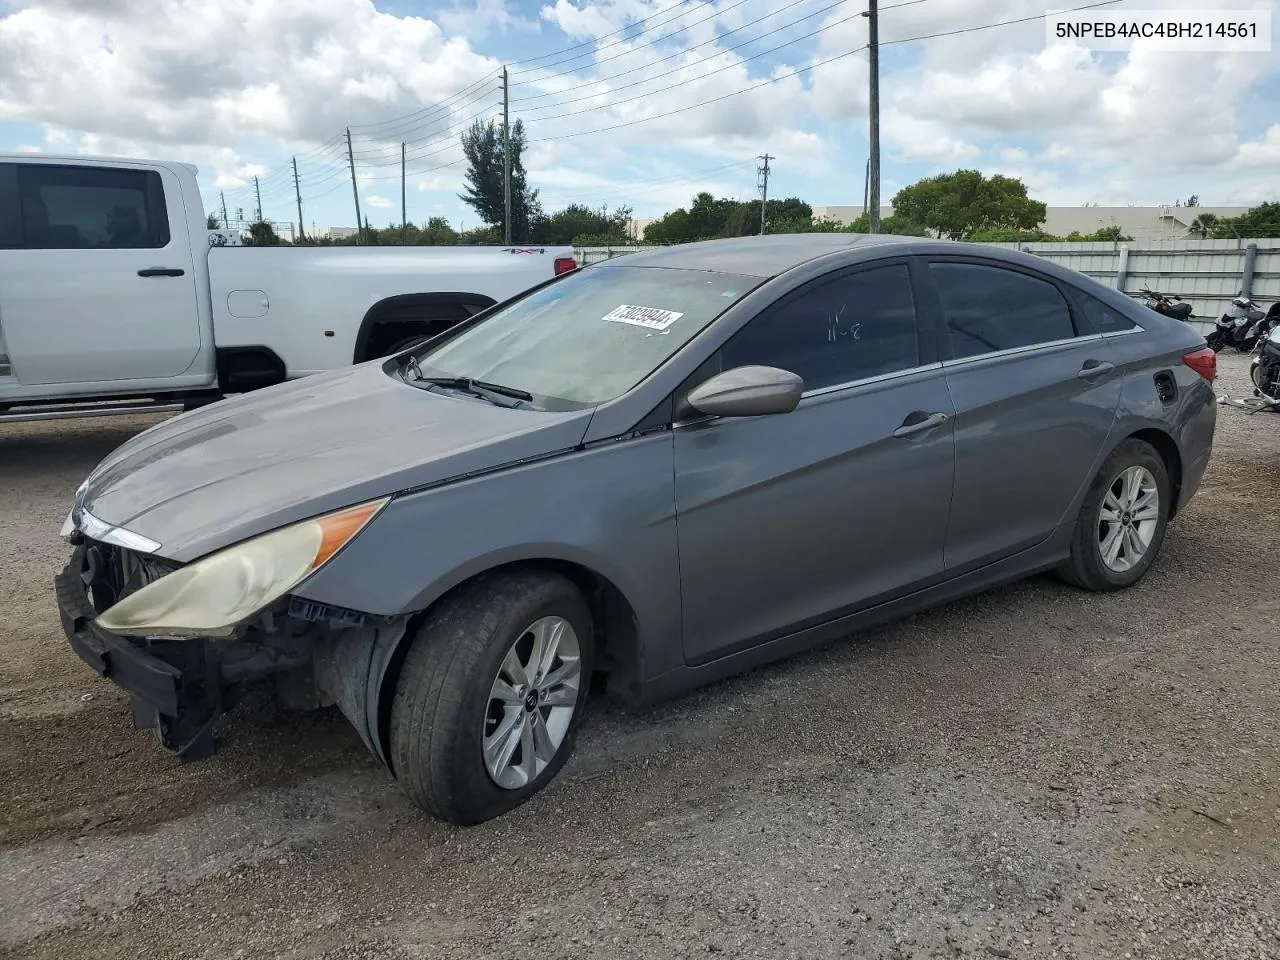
x: 625, y: 53
x: 622, y: 39
x: 434, y: 107
x: 661, y: 183
x: 680, y: 53
x: 592, y: 42
x: 703, y: 76
x: 793, y: 73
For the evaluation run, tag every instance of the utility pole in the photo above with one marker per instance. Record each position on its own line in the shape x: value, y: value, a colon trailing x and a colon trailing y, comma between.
x: 764, y: 188
x: 258, y: 193
x: 873, y: 164
x: 351, y: 159
x: 506, y: 159
x: 866, y: 188
x: 297, y: 192
x: 226, y: 224
x: 404, y: 216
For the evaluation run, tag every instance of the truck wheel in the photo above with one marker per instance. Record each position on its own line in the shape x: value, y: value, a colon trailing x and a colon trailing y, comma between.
x: 490, y: 694
x: 1122, y: 520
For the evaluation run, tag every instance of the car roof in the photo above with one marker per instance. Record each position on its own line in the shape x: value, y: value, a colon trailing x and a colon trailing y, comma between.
x: 765, y: 256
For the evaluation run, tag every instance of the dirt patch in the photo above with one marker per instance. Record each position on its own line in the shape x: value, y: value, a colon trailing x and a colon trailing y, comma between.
x: 1034, y: 772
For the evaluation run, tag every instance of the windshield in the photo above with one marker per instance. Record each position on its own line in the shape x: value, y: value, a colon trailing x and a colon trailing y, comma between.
x: 592, y: 336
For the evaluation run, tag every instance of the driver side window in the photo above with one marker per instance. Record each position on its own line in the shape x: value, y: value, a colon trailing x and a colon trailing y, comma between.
x: 851, y: 328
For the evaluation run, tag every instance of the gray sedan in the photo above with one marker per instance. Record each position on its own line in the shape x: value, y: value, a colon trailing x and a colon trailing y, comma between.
x: 662, y: 469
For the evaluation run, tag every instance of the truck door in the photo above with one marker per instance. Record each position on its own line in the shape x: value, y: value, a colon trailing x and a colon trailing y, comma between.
x: 99, y: 284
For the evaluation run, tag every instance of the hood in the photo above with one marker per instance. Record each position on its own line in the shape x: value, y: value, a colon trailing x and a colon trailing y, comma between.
x: 242, y: 466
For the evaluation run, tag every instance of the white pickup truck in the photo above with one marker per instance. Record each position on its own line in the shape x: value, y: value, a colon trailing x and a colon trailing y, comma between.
x: 112, y: 299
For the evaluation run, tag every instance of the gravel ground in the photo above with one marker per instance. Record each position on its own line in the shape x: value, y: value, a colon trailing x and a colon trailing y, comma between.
x: 1034, y: 772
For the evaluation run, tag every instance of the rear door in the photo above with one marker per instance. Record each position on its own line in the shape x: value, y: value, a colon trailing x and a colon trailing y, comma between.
x: 793, y: 519
x: 100, y: 285
x: 1036, y: 393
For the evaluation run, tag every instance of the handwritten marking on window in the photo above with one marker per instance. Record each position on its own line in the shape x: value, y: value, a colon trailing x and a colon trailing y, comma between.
x: 838, y: 327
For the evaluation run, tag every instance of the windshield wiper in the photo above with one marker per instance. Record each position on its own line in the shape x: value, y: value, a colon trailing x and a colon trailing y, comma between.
x: 479, y: 388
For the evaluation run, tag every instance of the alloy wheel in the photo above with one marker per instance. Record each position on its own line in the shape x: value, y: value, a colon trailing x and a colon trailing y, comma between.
x: 532, y: 702
x: 1128, y: 519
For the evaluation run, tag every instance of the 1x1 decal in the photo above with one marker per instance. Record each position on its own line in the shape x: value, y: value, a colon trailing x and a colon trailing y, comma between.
x: 651, y: 318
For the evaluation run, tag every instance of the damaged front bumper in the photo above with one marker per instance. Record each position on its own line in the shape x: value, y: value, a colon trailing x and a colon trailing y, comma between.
x: 173, y: 685
x: 179, y: 687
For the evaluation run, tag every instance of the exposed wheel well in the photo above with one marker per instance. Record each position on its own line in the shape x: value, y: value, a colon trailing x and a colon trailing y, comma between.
x: 617, y: 633
x: 1168, y: 450
x: 391, y: 321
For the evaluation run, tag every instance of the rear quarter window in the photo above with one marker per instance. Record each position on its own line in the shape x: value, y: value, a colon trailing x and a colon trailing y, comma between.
x: 1102, y: 318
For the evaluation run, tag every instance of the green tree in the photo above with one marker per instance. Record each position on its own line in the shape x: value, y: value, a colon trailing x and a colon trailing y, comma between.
x: 262, y: 234
x: 954, y: 205
x: 579, y: 224
x: 482, y: 146
x: 1203, y: 225
x: 673, y: 227
x: 438, y: 232
x: 211, y: 222
x: 1112, y: 234
x: 895, y: 224
x: 1260, y: 221
x: 708, y: 218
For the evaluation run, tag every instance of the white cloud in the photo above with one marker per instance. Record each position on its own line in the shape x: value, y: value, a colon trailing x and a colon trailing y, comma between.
x: 231, y: 84
x: 378, y: 202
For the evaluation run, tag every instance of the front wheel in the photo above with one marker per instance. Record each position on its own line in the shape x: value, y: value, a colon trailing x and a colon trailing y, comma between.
x: 1122, y: 520
x: 490, y: 695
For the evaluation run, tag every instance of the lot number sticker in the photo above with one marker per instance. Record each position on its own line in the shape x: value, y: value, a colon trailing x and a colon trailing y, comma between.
x: 651, y: 318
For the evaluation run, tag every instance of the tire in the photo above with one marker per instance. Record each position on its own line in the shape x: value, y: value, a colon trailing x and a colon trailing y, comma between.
x: 442, y: 710
x: 1087, y: 568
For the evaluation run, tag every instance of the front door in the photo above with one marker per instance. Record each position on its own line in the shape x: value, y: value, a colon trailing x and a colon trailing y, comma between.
x: 1036, y: 395
x: 792, y: 519
x: 102, y: 286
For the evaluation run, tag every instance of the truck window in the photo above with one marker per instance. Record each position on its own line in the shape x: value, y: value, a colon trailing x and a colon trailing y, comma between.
x: 10, y: 234
x: 91, y: 208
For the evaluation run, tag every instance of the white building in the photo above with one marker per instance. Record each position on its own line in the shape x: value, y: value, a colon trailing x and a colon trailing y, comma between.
x: 338, y: 233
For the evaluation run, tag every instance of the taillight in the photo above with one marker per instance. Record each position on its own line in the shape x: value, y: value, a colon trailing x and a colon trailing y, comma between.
x: 1204, y: 362
x: 565, y: 265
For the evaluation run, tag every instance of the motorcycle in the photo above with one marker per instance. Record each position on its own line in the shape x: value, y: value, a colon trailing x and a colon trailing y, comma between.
x: 1264, y: 371
x: 1243, y: 326
x: 1163, y: 303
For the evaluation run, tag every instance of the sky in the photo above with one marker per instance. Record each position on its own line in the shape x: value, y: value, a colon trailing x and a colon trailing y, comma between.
x: 636, y: 103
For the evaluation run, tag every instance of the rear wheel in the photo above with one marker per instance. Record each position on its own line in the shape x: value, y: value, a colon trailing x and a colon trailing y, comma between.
x: 490, y: 695
x: 1122, y: 520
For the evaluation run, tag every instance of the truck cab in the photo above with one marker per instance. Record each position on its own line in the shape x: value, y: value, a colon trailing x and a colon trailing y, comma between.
x: 102, y: 262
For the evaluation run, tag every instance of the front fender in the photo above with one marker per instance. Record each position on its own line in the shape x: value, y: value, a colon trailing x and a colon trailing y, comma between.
x: 609, y: 509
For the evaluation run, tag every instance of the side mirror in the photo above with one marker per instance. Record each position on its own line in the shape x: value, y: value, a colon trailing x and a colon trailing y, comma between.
x: 751, y: 391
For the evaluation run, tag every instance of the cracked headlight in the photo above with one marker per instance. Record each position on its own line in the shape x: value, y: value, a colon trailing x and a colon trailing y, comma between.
x: 212, y: 596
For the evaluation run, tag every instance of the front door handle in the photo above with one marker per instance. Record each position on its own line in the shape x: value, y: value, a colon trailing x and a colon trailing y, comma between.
x: 1094, y: 368
x: 161, y: 272
x: 910, y: 426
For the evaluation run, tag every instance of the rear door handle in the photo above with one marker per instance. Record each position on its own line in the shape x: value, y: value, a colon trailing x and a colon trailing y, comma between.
x: 910, y: 426
x: 1094, y: 368
x: 161, y: 272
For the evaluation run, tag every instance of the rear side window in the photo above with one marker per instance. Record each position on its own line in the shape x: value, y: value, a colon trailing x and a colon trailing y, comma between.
x: 1102, y: 318
x: 853, y: 327
x: 91, y: 208
x: 989, y: 308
